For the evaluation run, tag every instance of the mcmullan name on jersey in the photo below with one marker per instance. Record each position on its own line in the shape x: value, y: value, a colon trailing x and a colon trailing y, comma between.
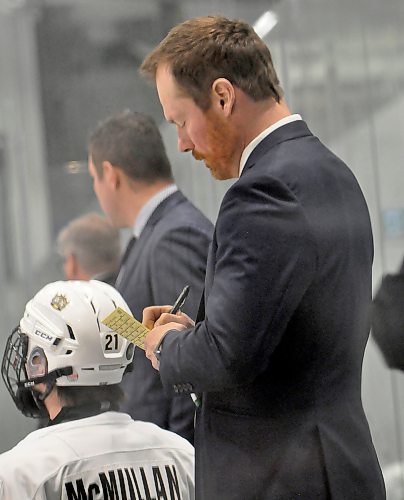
x: 127, y: 483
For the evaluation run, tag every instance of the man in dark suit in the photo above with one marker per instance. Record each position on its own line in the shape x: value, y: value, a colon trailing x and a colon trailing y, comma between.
x: 134, y: 185
x: 276, y: 352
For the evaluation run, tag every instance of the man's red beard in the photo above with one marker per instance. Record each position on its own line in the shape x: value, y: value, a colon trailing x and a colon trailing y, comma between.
x: 197, y: 156
x: 222, y: 143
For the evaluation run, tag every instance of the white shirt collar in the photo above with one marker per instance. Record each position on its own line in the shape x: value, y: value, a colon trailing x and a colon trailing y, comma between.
x: 254, y: 143
x: 149, y: 207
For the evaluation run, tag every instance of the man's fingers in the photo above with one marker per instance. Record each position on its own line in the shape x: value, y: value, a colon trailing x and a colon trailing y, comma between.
x: 152, y: 314
x: 180, y: 318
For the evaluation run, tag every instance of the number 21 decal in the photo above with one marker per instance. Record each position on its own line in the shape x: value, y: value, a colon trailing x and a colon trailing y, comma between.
x: 111, y: 342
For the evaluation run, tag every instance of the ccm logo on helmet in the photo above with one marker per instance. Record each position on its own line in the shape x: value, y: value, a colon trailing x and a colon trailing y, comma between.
x: 44, y: 336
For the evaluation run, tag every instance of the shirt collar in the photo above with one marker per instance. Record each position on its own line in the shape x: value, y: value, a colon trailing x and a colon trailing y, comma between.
x: 149, y: 207
x: 254, y: 143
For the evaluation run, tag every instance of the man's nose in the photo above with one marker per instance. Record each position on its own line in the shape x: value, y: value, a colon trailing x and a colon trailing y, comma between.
x: 184, y: 143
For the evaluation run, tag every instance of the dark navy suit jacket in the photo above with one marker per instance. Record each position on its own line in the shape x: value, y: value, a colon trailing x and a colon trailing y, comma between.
x: 277, y: 352
x: 170, y: 253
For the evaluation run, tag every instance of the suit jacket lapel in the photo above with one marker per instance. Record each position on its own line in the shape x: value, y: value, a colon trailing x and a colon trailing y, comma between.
x: 134, y: 253
x: 164, y: 207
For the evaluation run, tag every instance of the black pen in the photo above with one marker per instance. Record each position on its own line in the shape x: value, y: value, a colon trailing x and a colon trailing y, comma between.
x: 180, y: 300
x: 176, y: 307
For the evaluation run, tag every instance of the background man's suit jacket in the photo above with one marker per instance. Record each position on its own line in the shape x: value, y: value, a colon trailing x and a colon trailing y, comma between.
x: 387, y: 317
x: 170, y: 253
x: 278, y: 353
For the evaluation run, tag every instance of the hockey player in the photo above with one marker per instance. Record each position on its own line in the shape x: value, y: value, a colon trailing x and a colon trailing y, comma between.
x: 63, y: 363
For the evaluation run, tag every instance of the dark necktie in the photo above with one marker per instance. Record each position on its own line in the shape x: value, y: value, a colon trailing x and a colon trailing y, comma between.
x: 125, y: 256
x: 128, y: 248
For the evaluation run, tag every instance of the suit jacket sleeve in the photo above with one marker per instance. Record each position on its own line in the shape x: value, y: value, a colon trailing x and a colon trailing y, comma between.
x: 264, y: 259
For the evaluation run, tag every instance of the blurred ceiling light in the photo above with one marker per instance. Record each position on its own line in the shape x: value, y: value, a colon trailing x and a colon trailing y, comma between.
x: 76, y: 167
x: 265, y: 23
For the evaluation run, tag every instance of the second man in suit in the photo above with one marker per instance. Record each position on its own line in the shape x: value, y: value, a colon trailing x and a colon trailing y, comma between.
x: 134, y: 184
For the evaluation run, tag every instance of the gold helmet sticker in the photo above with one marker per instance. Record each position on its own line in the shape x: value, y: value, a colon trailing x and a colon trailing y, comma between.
x: 59, y: 302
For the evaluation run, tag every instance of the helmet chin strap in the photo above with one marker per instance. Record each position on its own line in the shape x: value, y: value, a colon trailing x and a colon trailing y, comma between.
x: 39, y: 398
x: 43, y: 395
x: 48, y: 378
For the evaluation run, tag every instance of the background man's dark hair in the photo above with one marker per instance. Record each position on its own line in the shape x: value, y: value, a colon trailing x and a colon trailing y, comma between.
x: 132, y: 142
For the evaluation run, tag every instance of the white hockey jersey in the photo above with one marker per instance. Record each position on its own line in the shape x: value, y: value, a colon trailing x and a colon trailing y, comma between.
x: 107, y: 456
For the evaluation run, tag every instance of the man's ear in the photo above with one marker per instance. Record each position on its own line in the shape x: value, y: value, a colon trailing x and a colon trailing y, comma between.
x: 73, y: 269
x: 69, y: 266
x: 111, y: 174
x: 223, y: 96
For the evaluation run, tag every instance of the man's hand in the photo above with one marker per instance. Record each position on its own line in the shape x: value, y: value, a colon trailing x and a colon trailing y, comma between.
x: 160, y: 315
x: 160, y: 321
x: 153, y: 339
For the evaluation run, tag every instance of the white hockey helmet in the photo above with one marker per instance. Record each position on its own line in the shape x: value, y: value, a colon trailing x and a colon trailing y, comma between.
x: 61, y: 339
x: 65, y: 320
